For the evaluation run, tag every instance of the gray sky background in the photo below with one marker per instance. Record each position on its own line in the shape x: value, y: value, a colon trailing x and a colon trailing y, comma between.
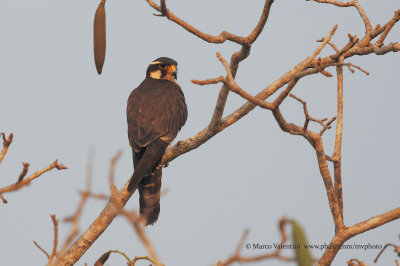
x: 246, y: 177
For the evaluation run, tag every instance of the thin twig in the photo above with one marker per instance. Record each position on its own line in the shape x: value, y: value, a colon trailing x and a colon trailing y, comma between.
x: 25, y: 168
x: 383, y: 249
x: 33, y: 176
x: 142, y: 258
x: 6, y: 144
x: 113, y: 162
x: 39, y: 247
x: 237, y: 257
x: 74, y: 219
x: 133, y: 218
x: 350, y: 65
x: 3, y: 199
x: 55, y: 241
x: 309, y: 118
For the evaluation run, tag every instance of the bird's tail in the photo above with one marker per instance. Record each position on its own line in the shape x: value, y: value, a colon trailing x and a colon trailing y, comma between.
x: 147, y: 163
x: 149, y: 196
x: 147, y: 178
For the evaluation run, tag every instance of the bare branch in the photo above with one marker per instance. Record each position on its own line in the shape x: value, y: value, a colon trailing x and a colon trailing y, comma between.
x: 55, y: 241
x: 51, y: 256
x: 327, y: 125
x: 354, y: 3
x: 224, y: 35
x: 142, y: 258
x: 374, y: 222
x: 346, y: 233
x: 356, y: 262
x: 133, y: 218
x: 326, y: 176
x: 331, y: 44
x: 6, y: 144
x: 353, y: 40
x: 208, y: 81
x: 388, y: 27
x: 309, y: 118
x: 367, y: 23
x: 350, y: 65
x: 114, y: 161
x: 391, y: 47
x: 3, y: 199
x: 237, y: 257
x: 74, y: 219
x: 387, y: 245
x: 33, y: 176
x: 39, y: 247
x: 336, y: 3
x: 338, y: 139
x: 25, y: 169
x: 241, y: 242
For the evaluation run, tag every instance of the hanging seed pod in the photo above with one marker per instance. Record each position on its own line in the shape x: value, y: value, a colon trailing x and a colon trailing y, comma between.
x: 99, y: 36
x: 303, y: 255
x: 102, y: 259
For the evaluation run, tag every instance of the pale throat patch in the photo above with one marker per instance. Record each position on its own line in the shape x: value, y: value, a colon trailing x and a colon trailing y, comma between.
x: 156, y: 74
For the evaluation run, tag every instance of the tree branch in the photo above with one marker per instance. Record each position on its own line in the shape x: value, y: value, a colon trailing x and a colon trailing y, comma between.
x: 338, y: 140
x: 27, y: 181
x: 237, y: 257
x: 135, y: 221
x: 224, y: 35
x: 51, y: 256
x: 346, y: 233
x: 55, y: 241
x: 388, y: 27
x: 6, y: 144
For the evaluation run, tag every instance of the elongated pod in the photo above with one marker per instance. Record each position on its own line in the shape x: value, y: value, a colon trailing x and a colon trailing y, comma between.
x: 303, y: 255
x: 99, y: 36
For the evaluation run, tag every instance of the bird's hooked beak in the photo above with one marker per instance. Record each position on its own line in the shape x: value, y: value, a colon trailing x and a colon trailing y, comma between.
x: 173, y: 71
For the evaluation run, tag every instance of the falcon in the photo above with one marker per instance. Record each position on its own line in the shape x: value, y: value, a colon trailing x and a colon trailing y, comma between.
x: 155, y: 113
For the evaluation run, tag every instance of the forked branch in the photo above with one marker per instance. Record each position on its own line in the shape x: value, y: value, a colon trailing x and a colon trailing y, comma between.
x: 21, y: 182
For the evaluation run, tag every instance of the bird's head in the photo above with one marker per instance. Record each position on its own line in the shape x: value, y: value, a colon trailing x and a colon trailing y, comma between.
x: 163, y: 68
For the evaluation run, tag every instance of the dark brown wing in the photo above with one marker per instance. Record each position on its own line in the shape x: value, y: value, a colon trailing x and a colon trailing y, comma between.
x: 155, y: 109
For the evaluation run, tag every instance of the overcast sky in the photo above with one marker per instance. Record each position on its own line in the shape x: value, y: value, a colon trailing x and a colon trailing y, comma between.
x: 248, y: 176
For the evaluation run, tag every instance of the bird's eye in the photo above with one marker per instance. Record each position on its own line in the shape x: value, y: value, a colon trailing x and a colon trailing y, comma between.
x: 162, y: 66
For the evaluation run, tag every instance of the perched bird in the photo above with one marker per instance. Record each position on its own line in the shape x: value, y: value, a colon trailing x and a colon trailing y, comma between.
x: 156, y: 111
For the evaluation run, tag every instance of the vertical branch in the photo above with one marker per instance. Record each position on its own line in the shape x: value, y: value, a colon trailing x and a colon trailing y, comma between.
x: 330, y: 190
x: 55, y: 241
x: 223, y: 94
x: 112, y: 167
x: 338, y: 140
x: 6, y: 144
